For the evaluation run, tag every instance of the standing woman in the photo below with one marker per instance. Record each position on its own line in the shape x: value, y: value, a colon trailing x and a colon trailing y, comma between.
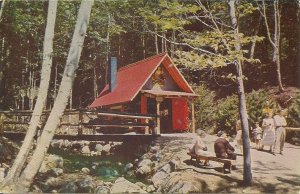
x: 268, y: 126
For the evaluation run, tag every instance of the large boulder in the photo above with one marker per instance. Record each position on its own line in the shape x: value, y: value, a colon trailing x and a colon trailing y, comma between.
x: 86, y: 150
x: 106, y: 148
x: 57, y: 143
x: 144, y: 168
x: 102, y: 189
x: 52, y: 182
x: 183, y: 182
x: 68, y: 188
x: 122, y: 185
x: 98, y: 148
x: 8, y: 150
x: 86, y: 185
x: 159, y: 178
x: 2, y: 174
x: 50, y: 162
x: 56, y: 172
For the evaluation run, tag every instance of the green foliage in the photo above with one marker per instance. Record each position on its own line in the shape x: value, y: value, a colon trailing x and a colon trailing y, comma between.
x: 293, y: 119
x: 227, y: 113
x: 205, y: 108
x: 257, y: 101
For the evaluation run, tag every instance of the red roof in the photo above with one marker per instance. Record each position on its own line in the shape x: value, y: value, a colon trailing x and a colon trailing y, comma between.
x: 131, y: 79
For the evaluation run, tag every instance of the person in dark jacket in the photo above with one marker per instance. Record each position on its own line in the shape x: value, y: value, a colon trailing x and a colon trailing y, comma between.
x: 223, y: 149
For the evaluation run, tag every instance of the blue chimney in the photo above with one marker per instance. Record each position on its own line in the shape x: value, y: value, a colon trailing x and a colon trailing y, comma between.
x: 112, y: 73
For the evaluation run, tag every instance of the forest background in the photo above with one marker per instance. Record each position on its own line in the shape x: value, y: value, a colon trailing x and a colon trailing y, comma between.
x: 196, y: 34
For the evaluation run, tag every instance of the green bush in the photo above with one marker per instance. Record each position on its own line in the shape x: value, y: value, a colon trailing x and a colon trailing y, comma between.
x: 257, y: 101
x: 214, y: 115
x: 205, y: 108
x: 227, y: 113
x: 293, y: 118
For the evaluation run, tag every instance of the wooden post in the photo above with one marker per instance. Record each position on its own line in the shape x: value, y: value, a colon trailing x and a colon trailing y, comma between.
x: 193, y: 117
x: 80, y: 123
x: 158, y: 101
x: 147, y: 127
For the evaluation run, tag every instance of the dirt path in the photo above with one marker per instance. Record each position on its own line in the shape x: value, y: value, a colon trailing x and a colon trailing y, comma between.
x: 272, y: 174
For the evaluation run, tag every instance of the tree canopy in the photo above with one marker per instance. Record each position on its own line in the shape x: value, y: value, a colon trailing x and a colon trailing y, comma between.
x: 197, y: 34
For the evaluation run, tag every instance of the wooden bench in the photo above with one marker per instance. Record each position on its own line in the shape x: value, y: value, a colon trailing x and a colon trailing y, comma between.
x: 207, y: 158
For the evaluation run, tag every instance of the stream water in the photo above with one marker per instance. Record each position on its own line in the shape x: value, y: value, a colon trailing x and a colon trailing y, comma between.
x: 107, y: 168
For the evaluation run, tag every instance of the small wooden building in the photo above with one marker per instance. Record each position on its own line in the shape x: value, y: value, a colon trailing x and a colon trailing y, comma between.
x: 151, y: 86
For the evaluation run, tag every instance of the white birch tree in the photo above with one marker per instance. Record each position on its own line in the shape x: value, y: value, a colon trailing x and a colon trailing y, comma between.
x: 1, y: 8
x: 17, y: 166
x: 241, y: 94
x: 24, y: 181
x: 61, y: 100
x: 275, y: 41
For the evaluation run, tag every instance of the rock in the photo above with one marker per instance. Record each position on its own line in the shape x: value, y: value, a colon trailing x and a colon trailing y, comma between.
x: 85, y: 143
x: 158, y: 178
x: 86, y: 150
x: 166, y: 168
x: 53, y: 182
x: 106, y: 148
x: 85, y: 170
x: 86, y: 185
x: 145, y: 162
x: 93, y: 153
x: 150, y: 189
x: 102, y: 189
x: 122, y: 185
x: 57, y: 172
x: 144, y: 168
x: 2, y: 174
x: 144, y: 171
x: 67, y: 143
x: 141, y: 185
x: 109, y: 184
x: 182, y: 182
x: 7, y: 150
x: 128, y: 166
x: 154, y: 149
x: 98, y: 148
x: 50, y: 162
x: 36, y: 189
x: 68, y: 188
x: 57, y: 143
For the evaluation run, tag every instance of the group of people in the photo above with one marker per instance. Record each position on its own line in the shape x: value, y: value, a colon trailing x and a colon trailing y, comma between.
x: 271, y: 133
x: 222, y: 147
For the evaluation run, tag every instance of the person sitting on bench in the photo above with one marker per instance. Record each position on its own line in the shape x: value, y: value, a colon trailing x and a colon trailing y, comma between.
x: 223, y: 149
x: 199, y: 147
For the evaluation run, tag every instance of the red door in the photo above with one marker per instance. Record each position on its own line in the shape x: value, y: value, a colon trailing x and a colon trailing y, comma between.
x: 180, y: 114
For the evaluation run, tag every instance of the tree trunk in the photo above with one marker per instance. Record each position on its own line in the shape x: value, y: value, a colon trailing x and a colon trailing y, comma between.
x: 275, y: 41
x: 15, y: 170
x: 252, y: 49
x: 61, y: 101
x: 156, y: 40
x: 242, y: 98
x: 1, y: 9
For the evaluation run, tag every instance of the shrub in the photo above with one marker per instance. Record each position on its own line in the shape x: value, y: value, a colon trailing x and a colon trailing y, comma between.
x: 227, y: 113
x: 205, y: 108
x: 293, y: 118
x: 257, y: 101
